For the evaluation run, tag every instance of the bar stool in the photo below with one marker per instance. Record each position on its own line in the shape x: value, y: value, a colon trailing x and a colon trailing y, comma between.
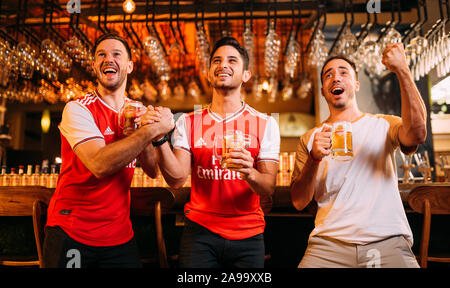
x: 39, y: 221
x: 19, y: 201
x: 148, y: 201
x: 429, y: 200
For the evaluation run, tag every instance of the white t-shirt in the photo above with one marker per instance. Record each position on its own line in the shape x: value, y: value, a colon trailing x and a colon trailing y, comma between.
x: 358, y: 200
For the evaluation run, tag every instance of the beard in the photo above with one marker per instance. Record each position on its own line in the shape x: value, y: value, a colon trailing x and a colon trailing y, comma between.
x: 339, y: 104
x: 112, y: 85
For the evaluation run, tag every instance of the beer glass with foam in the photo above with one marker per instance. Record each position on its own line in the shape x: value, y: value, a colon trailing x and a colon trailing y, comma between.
x: 128, y: 115
x: 341, y: 141
x: 230, y: 140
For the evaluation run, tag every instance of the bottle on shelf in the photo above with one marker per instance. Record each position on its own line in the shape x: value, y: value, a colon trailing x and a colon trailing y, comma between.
x: 13, y: 178
x: 26, y: 178
x: 34, y: 181
x: 43, y: 178
x: 53, y: 177
x: 5, y: 176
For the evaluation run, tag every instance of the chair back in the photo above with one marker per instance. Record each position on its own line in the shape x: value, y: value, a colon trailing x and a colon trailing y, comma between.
x: 20, y: 201
x: 143, y: 200
x: 39, y: 220
x: 150, y: 201
x: 437, y: 196
x: 429, y: 200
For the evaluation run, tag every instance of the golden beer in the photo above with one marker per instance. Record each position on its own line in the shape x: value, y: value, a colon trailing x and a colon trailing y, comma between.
x: 232, y: 141
x: 128, y: 114
x: 341, y: 141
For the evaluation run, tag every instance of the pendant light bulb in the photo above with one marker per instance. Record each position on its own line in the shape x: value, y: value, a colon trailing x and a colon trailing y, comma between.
x: 129, y: 6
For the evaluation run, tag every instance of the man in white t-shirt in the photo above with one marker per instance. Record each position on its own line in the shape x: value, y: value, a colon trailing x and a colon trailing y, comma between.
x: 224, y: 220
x: 360, y: 220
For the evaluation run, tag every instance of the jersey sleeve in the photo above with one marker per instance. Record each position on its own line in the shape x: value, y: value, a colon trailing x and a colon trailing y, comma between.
x: 395, y: 123
x: 270, y: 144
x: 78, y: 125
x: 302, y: 153
x: 180, y: 136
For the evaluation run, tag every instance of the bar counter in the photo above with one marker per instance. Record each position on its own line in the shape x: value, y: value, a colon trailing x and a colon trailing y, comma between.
x: 278, y: 205
x: 286, y: 232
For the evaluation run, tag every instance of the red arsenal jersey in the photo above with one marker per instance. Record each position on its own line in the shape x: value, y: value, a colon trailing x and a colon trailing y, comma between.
x: 92, y: 211
x: 220, y: 200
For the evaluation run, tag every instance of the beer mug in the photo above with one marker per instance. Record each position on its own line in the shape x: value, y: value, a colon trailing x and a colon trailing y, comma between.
x: 230, y: 140
x: 341, y: 141
x: 127, y: 114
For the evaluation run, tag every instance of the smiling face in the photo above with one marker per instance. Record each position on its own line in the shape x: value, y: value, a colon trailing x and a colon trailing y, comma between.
x: 339, y: 83
x: 112, y: 64
x: 227, y: 69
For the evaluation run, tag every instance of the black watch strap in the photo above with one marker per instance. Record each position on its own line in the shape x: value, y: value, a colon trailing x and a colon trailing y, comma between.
x: 161, y: 141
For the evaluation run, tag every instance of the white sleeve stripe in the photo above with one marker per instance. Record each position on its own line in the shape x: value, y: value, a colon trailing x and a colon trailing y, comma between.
x: 270, y: 160
x: 182, y: 148
x: 87, y: 140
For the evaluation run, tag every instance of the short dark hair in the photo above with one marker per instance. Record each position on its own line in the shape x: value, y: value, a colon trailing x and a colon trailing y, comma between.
x: 230, y: 41
x: 342, y: 57
x: 115, y: 37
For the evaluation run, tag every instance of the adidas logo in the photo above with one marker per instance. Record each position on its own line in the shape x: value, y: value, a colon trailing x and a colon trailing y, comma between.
x: 108, y: 131
x: 200, y: 143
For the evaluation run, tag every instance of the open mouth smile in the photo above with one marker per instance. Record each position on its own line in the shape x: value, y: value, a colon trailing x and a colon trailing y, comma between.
x: 337, y: 91
x: 108, y: 71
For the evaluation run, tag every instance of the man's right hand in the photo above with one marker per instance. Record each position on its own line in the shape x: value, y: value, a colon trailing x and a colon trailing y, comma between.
x: 322, y: 143
x: 166, y: 123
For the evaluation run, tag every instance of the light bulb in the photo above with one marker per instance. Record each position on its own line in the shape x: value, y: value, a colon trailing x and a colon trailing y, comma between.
x: 266, y: 86
x: 45, y: 121
x: 129, y: 6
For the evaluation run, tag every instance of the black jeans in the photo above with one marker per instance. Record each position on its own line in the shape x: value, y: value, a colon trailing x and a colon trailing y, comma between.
x: 61, y: 251
x: 201, y: 248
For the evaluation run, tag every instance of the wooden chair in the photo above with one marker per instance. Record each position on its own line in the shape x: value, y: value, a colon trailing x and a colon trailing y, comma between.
x: 429, y: 200
x: 19, y: 201
x: 149, y: 201
x: 39, y: 220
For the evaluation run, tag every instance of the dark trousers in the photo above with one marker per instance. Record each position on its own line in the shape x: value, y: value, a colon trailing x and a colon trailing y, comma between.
x: 61, y: 251
x: 201, y: 248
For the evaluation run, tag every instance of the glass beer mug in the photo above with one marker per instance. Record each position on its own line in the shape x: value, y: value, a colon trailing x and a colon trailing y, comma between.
x: 230, y: 140
x: 128, y: 114
x: 341, y: 141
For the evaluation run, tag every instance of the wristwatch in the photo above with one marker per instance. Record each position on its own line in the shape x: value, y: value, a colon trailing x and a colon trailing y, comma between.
x: 160, y: 141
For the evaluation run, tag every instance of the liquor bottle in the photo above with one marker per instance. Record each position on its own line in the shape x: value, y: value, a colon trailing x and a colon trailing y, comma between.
x: 5, y: 177
x: 35, y: 176
x: 26, y: 178
x: 13, y: 178
x: 20, y: 175
x: 53, y: 177
x: 43, y: 178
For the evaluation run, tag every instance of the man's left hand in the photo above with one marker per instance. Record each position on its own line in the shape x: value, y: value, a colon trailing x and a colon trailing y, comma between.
x: 242, y: 157
x: 394, y: 57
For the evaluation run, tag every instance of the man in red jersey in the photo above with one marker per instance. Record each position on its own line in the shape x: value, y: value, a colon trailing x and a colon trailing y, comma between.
x: 224, y: 221
x: 88, y: 216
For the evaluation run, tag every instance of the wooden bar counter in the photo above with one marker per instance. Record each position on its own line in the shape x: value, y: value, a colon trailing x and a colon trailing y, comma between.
x: 279, y: 205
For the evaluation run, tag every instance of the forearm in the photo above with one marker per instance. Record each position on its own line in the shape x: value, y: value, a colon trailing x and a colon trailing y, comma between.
x: 174, y: 172
x: 414, y: 113
x: 148, y: 160
x: 112, y: 157
x: 302, y: 189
